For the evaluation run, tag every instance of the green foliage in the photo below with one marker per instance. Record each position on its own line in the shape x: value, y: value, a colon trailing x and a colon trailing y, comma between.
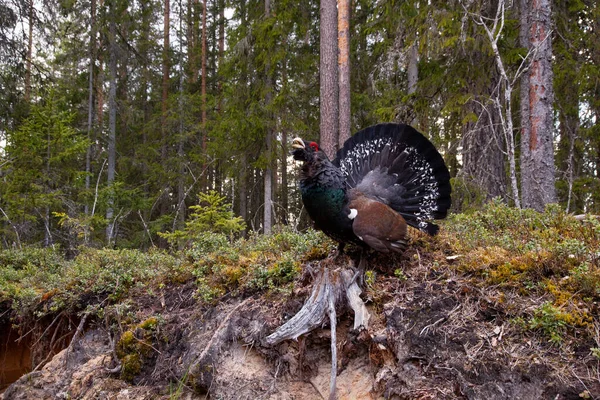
x: 255, y: 264
x: 551, y: 321
x: 42, y: 279
x: 135, y: 346
x: 41, y: 174
x: 212, y: 215
x: 547, y: 255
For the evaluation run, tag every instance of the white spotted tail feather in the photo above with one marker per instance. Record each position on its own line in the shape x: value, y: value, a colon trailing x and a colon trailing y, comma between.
x: 395, y: 165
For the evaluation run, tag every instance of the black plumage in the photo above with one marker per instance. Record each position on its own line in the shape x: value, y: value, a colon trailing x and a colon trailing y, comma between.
x: 383, y: 178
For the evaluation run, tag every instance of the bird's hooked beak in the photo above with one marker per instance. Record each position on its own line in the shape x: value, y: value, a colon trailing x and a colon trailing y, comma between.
x: 298, y: 143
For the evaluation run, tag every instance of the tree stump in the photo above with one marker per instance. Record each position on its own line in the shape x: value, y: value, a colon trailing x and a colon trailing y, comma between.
x: 333, y: 287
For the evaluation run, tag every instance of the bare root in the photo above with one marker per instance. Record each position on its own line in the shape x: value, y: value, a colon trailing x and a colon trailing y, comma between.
x: 333, y: 288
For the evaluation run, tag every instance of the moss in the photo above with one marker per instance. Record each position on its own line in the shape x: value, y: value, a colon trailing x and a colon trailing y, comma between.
x: 151, y: 323
x: 126, y: 344
x: 131, y: 365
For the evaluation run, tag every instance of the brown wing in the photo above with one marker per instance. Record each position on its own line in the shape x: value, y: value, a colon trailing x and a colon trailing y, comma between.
x: 376, y: 224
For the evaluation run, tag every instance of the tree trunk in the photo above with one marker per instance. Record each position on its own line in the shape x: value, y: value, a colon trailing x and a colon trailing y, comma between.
x: 221, y: 52
x: 345, y: 120
x: 165, y: 80
x: 329, y: 96
x: 413, y: 76
x: 112, y: 123
x: 537, y: 97
x: 203, y: 95
x: 268, y: 177
x: 181, y: 209
x: 29, y: 54
x: 193, y: 41
x: 243, y: 191
x: 483, y: 152
x: 90, y: 121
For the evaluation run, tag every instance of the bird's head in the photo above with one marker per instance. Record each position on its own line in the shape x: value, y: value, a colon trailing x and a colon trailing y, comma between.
x: 303, y: 150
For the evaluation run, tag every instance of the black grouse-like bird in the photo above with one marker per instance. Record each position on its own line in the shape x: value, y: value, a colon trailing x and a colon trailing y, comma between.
x: 384, y: 178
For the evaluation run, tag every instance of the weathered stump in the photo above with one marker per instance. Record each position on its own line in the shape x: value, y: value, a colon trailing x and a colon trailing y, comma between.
x: 332, y: 288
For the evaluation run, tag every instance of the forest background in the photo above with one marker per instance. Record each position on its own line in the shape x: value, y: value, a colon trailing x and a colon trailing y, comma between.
x: 118, y: 116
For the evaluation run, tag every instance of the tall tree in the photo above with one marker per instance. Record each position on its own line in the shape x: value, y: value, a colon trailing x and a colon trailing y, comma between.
x: 112, y: 121
x: 537, y: 98
x: 268, y: 176
x: 344, y: 7
x: 329, y: 84
x: 165, y: 77
x: 29, y: 53
x: 91, y: 108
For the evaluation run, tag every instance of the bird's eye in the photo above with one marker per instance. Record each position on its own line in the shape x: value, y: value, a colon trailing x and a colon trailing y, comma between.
x: 314, y: 146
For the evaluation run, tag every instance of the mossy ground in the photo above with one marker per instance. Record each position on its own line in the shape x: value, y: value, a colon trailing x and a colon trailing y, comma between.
x: 538, y: 272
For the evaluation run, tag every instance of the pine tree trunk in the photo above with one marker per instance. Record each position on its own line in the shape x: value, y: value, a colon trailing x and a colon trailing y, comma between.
x: 221, y: 51
x: 181, y: 209
x: 329, y: 94
x: 268, y: 176
x: 112, y: 123
x: 284, y: 178
x: 203, y: 94
x: 413, y: 76
x: 537, y: 97
x: 345, y: 121
x: 29, y: 54
x: 194, y: 41
x: 243, y: 191
x: 284, y: 148
x: 90, y: 121
x: 483, y: 152
x: 165, y: 79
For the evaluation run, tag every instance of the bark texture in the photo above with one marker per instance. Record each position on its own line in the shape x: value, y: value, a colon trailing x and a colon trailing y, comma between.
x: 329, y: 125
x: 112, y: 122
x: 344, y: 7
x: 483, y: 152
x: 537, y: 96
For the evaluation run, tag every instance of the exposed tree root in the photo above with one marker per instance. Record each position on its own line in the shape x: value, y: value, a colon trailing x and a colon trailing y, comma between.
x: 331, y: 288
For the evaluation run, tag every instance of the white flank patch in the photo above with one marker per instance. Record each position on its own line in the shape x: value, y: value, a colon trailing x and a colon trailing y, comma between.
x: 353, y: 213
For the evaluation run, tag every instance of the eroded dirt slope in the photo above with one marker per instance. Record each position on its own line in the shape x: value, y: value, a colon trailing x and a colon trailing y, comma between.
x: 433, y: 335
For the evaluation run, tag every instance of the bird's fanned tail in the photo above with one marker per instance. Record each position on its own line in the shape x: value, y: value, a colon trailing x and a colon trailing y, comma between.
x: 398, y: 166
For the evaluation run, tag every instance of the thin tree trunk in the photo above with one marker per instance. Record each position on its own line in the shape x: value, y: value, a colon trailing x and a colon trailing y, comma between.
x: 503, y: 100
x: 284, y: 148
x: 112, y: 123
x: 344, y: 7
x: 100, y: 88
x: 90, y: 122
x: 29, y: 54
x: 165, y: 80
x: 243, y: 190
x: 329, y: 97
x: 203, y: 94
x: 268, y: 177
x: 537, y: 97
x: 181, y: 209
x: 413, y: 74
x: 221, y: 52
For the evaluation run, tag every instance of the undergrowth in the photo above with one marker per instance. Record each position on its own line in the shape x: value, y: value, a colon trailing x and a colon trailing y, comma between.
x: 549, y: 261
x: 549, y: 256
x: 36, y: 282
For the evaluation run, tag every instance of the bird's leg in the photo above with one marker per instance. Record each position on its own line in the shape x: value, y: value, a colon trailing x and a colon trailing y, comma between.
x: 362, y: 264
x: 339, y: 251
x: 359, y: 271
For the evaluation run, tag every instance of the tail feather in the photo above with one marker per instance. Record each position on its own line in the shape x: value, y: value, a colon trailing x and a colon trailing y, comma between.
x: 400, y: 167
